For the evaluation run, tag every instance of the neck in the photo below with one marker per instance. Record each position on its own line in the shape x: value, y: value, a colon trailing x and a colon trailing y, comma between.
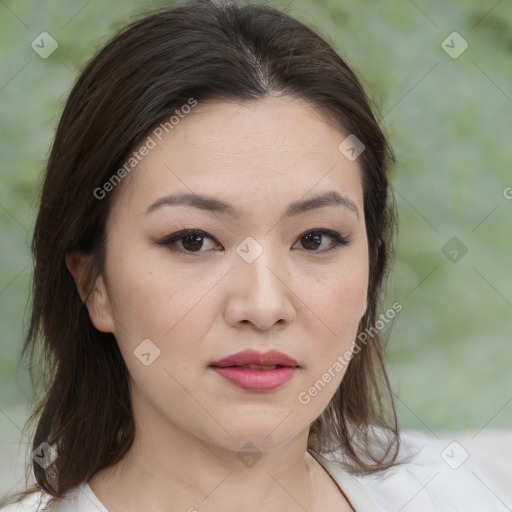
x: 169, y: 467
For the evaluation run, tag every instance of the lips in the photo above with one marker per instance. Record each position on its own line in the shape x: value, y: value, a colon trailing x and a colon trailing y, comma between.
x: 248, y: 358
x: 257, y: 372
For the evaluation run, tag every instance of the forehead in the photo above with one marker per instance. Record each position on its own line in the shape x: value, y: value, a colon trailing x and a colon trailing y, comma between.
x: 251, y: 154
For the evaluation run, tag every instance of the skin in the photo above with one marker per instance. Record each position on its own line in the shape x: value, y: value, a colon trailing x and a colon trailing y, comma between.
x: 303, y: 300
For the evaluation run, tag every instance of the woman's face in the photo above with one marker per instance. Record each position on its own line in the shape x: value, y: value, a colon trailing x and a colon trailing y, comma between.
x: 258, y: 277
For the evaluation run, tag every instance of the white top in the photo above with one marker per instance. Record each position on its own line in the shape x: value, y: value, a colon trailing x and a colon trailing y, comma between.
x: 437, y: 477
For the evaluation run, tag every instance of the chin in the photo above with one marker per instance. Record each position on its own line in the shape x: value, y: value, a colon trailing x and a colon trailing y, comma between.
x: 260, y: 435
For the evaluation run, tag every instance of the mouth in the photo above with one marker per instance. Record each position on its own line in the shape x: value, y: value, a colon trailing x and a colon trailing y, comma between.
x: 253, y: 366
x: 253, y: 371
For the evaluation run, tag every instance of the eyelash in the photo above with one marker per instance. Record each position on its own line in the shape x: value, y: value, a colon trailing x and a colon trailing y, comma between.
x: 170, y: 241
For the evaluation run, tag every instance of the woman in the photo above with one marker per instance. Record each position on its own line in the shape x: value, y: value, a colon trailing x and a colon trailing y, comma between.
x: 213, y: 234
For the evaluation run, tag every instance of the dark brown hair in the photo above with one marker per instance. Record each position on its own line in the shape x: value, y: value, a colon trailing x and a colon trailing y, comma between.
x: 152, y: 67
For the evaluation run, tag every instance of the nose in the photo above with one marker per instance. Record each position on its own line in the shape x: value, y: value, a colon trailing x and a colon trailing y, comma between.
x: 260, y: 292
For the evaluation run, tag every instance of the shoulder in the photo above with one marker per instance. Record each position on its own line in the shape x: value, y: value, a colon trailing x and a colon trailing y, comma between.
x: 34, y: 502
x: 431, y: 475
x: 74, y: 501
x: 435, y: 474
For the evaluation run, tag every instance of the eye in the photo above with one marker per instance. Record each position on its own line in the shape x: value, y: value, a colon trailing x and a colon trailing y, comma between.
x: 311, y: 240
x: 190, y: 241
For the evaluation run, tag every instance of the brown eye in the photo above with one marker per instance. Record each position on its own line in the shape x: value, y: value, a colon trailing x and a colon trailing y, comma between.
x: 312, y: 240
x: 191, y: 241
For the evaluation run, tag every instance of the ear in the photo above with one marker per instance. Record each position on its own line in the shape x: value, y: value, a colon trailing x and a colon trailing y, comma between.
x: 93, y: 294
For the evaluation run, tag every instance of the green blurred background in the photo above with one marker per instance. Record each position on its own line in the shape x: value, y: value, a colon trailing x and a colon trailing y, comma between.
x: 448, y: 119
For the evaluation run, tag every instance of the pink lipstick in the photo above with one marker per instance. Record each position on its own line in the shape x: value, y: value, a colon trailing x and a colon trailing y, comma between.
x: 254, y: 371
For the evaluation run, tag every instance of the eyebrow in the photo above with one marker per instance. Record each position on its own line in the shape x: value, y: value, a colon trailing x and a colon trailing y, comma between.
x: 213, y: 204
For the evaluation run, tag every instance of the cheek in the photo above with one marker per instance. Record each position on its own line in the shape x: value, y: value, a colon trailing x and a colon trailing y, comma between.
x: 152, y: 297
x: 339, y: 304
x: 339, y: 300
